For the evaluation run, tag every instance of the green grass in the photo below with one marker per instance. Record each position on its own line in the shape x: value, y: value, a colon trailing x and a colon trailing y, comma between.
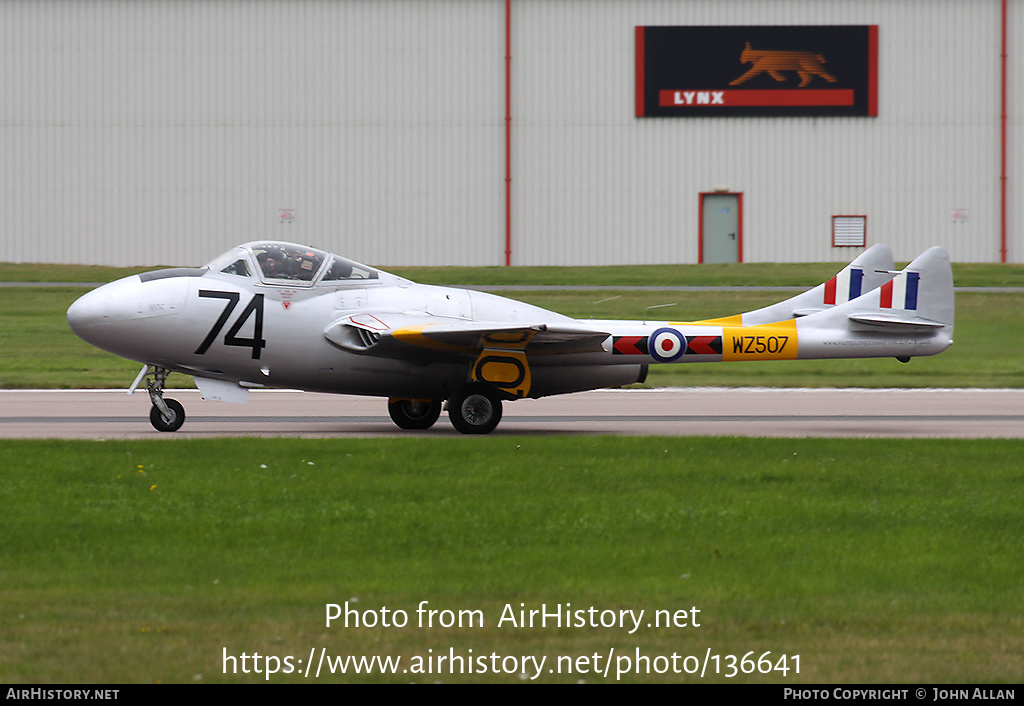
x: 875, y: 561
x: 755, y: 273
x: 41, y: 272
x: 37, y: 350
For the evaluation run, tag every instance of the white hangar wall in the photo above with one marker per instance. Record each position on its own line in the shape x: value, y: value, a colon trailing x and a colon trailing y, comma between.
x: 164, y: 132
x: 597, y: 185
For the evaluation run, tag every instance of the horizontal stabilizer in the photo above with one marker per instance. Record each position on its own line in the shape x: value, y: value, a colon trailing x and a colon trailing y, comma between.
x: 805, y: 312
x: 895, y: 321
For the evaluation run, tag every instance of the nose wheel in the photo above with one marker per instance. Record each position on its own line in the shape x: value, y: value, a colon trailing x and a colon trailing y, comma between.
x: 165, y: 414
x: 171, y: 420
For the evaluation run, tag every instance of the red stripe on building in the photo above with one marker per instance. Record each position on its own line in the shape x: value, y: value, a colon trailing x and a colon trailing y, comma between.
x: 873, y: 71
x: 640, y: 69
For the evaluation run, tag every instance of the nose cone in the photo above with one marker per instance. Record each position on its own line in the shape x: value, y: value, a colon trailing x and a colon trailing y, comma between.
x: 93, y: 312
x: 134, y: 317
x: 84, y: 312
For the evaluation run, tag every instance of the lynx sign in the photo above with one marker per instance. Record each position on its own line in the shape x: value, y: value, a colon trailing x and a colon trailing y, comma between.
x: 757, y: 71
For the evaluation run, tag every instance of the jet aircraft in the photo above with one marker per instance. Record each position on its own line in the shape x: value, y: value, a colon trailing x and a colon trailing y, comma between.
x: 278, y: 314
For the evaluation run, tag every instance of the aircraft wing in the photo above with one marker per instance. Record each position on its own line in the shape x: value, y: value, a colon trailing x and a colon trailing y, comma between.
x: 410, y: 335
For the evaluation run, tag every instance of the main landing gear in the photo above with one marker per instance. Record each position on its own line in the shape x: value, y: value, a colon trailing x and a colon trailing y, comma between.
x: 414, y: 414
x: 165, y: 414
x: 475, y: 409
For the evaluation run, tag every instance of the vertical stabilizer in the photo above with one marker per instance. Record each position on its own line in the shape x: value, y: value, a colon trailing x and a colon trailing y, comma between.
x: 871, y: 269
x: 920, y: 295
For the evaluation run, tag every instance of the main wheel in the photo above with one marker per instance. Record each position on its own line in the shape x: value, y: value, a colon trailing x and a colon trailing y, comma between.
x: 158, y: 421
x: 414, y: 414
x: 475, y: 409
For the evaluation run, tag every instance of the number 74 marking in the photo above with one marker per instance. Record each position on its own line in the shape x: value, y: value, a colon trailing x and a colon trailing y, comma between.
x: 231, y: 338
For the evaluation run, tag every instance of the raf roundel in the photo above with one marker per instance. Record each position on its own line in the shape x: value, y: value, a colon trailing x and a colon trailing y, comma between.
x: 667, y: 345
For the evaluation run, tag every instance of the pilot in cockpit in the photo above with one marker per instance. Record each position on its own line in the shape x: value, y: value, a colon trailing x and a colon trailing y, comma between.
x: 271, y: 262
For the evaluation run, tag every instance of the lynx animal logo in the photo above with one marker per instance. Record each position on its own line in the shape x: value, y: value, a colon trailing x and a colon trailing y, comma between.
x: 807, y: 65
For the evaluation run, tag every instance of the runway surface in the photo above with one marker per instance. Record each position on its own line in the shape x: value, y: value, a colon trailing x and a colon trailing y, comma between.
x: 112, y: 414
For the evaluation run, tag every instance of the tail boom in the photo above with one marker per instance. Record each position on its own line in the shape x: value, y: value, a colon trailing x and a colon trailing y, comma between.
x: 907, y: 315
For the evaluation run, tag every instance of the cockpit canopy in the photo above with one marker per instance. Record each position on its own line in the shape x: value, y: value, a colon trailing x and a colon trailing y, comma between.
x: 275, y: 261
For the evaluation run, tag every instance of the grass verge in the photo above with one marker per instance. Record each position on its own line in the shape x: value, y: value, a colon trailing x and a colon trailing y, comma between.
x: 874, y: 561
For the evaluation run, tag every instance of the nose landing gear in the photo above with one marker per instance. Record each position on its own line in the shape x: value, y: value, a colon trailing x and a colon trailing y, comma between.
x: 165, y: 414
x: 169, y: 420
